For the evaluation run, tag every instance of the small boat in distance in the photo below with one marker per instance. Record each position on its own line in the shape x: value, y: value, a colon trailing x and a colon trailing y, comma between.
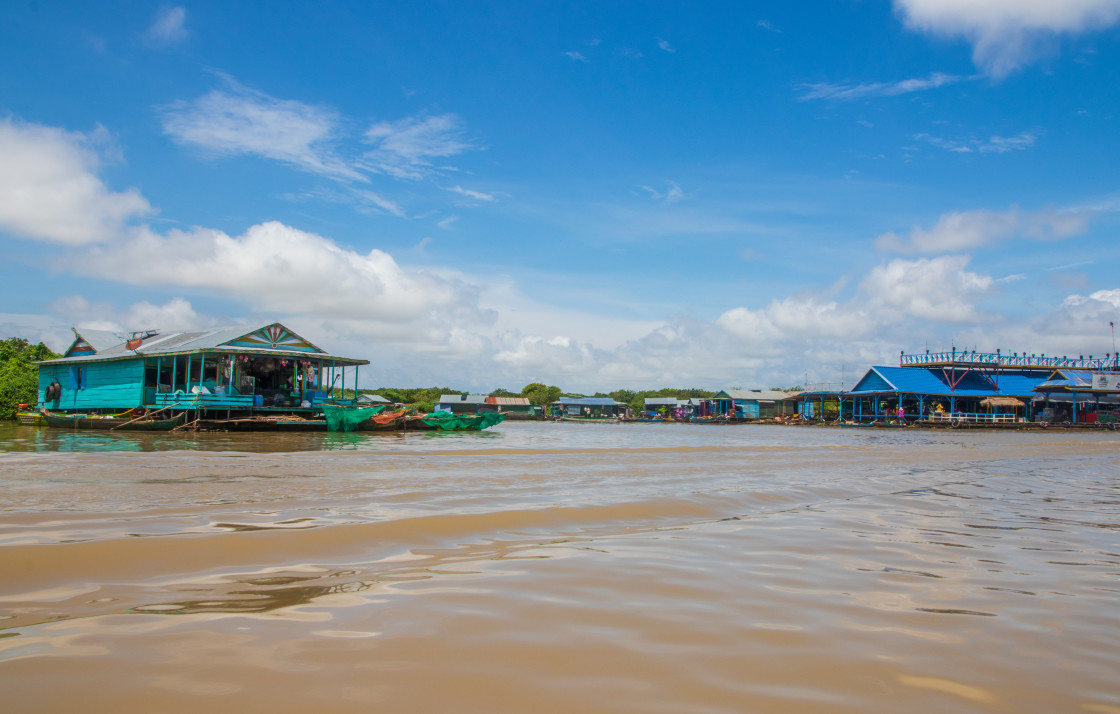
x: 112, y: 423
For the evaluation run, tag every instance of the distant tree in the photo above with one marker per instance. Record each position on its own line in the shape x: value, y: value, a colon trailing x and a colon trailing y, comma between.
x: 19, y: 377
x: 541, y: 394
x: 500, y: 392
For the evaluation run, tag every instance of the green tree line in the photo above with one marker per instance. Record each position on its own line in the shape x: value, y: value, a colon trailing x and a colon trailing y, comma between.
x: 538, y: 394
x: 19, y: 377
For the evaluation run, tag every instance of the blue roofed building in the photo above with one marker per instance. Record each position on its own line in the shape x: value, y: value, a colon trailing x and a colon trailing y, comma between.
x: 958, y: 386
x: 591, y: 407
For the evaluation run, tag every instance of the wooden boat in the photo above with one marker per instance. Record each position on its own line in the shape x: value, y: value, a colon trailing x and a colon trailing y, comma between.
x: 594, y: 420
x: 265, y: 423
x: 31, y: 418
x: 390, y: 421
x: 84, y: 421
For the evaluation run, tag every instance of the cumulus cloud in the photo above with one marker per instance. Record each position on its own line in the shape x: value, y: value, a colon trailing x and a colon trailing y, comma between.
x: 841, y: 92
x: 49, y: 189
x: 276, y: 268
x: 967, y: 230
x: 168, y: 28
x: 1007, y: 34
x: 239, y: 120
x: 937, y: 290
x: 406, y: 148
x: 175, y: 314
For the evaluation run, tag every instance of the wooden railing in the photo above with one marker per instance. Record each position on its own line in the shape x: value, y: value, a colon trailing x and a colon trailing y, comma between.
x: 975, y: 417
x: 997, y: 359
x: 204, y: 401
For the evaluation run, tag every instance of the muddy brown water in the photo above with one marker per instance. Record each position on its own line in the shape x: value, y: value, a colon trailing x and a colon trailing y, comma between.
x: 561, y: 568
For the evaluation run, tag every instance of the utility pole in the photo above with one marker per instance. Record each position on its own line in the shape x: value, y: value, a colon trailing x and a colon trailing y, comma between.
x: 1112, y: 325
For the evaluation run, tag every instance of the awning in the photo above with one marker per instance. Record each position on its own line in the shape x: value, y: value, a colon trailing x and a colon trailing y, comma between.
x: 1001, y: 402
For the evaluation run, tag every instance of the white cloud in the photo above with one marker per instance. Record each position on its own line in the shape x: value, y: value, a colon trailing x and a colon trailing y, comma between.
x: 475, y: 195
x: 175, y: 314
x: 383, y: 204
x: 244, y: 121
x: 49, y: 190
x: 937, y: 290
x: 967, y: 230
x: 664, y: 45
x: 768, y: 332
x: 1078, y: 326
x: 406, y: 147
x: 168, y: 28
x: 840, y: 92
x: 994, y: 145
x: 767, y: 25
x: 672, y: 195
x: 577, y: 56
x: 276, y: 268
x: 1103, y: 297
x: 1007, y: 34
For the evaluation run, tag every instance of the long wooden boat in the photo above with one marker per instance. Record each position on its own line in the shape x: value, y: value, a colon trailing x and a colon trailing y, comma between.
x: 595, y: 420
x: 83, y: 421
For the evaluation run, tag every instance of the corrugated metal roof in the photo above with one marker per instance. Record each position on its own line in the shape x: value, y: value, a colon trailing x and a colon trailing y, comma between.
x: 114, y: 345
x: 508, y: 401
x: 755, y: 395
x: 373, y: 399
x: 100, y: 339
x: 664, y: 402
x: 462, y: 398
x: 920, y: 380
x: 588, y: 401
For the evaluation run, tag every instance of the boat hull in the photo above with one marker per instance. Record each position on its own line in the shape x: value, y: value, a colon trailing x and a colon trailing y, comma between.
x: 59, y: 421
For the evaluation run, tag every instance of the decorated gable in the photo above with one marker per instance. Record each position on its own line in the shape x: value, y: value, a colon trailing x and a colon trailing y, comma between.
x: 79, y: 348
x: 274, y: 337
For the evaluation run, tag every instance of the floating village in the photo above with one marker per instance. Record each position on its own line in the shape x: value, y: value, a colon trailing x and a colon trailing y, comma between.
x: 268, y: 378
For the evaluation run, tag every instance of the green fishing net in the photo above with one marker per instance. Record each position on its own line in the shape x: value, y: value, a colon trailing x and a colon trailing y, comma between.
x: 449, y: 422
x: 347, y: 418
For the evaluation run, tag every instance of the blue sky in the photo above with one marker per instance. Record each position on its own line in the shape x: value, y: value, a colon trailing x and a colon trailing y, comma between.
x: 594, y: 195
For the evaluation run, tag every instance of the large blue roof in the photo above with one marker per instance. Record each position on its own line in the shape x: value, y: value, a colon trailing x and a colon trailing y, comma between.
x: 917, y: 380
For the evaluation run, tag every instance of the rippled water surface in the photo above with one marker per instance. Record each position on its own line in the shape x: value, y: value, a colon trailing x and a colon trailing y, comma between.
x: 561, y: 568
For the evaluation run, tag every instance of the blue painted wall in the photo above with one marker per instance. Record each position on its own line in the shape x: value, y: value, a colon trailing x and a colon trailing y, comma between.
x: 100, y: 385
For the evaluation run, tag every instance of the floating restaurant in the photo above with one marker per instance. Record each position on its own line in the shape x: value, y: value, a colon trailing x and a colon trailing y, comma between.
x: 242, y: 370
x: 969, y: 387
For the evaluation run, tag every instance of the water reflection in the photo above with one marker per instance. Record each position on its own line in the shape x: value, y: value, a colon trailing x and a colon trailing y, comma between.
x: 266, y: 595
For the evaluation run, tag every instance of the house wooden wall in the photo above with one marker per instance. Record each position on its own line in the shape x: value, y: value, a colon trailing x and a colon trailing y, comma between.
x: 104, y: 385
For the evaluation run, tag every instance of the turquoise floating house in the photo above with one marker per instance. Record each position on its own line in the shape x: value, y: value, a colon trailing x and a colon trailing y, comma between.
x: 241, y: 369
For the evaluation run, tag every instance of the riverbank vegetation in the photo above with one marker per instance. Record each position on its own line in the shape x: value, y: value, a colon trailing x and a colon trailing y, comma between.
x: 19, y: 377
